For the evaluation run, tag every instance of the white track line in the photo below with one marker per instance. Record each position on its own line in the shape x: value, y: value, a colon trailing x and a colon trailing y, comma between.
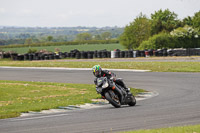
x: 78, y: 69
x: 38, y: 117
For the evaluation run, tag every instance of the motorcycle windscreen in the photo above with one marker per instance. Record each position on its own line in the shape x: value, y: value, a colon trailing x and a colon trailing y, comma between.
x: 99, y: 82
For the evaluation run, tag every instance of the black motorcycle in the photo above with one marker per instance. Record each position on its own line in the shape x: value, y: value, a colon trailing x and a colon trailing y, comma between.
x: 114, y: 93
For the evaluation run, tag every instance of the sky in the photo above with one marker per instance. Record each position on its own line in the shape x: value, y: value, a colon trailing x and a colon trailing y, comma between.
x: 90, y: 13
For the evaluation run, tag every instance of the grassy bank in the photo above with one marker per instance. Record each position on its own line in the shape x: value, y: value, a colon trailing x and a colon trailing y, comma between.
x: 183, y: 129
x: 68, y: 48
x: 153, y: 66
x: 18, y: 96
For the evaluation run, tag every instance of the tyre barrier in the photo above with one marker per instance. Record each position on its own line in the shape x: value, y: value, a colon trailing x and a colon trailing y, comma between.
x: 101, y: 54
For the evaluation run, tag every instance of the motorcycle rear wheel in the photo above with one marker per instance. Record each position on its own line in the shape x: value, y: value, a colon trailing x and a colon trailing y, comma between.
x: 113, y: 100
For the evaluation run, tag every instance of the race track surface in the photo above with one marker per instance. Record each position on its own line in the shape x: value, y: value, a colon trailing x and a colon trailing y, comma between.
x: 177, y: 103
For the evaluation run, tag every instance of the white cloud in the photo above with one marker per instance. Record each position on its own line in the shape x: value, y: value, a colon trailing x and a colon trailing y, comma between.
x: 62, y: 16
x: 25, y: 12
x: 2, y: 10
x: 87, y: 12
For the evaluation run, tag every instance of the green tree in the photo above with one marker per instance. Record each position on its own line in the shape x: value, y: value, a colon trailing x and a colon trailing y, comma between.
x: 50, y: 38
x: 136, y: 32
x: 83, y: 36
x: 106, y: 35
x: 28, y: 41
x: 97, y: 37
x: 158, y: 41
x: 61, y: 38
x: 188, y: 21
x: 164, y: 21
x: 196, y: 20
x: 187, y: 37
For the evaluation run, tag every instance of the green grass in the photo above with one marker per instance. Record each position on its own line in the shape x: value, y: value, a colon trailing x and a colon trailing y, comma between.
x: 68, y: 48
x: 20, y: 96
x: 183, y: 129
x: 153, y: 66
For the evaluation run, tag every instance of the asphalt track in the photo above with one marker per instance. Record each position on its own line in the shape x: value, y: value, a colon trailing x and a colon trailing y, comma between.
x: 177, y: 103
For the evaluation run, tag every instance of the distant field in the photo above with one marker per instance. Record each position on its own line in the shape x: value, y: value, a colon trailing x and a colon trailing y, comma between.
x: 68, y: 48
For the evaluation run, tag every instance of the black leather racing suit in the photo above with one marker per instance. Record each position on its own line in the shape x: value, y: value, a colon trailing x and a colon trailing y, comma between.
x: 108, y: 74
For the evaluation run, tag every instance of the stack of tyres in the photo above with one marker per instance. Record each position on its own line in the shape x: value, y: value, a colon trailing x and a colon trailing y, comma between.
x: 90, y: 55
x: 122, y: 54
x: 72, y: 54
x: 99, y: 54
x: 138, y: 53
x: 170, y: 52
x: 26, y: 56
x: 125, y: 54
x: 146, y: 53
x: 95, y: 54
x: 165, y: 52
x: 20, y: 57
x: 51, y: 56
x: 109, y: 54
x: 8, y: 55
x: 83, y: 55
x: 117, y: 53
x: 46, y: 57
x: 13, y: 56
x: 66, y: 54
x: 155, y: 53
x: 130, y: 54
x: 35, y: 56
x: 104, y: 54
x: 142, y: 53
x: 63, y: 55
x: 78, y: 55
x: 30, y: 57
x: 56, y: 56
x: 42, y: 56
x: 135, y: 54
x: 151, y: 52
x: 160, y: 53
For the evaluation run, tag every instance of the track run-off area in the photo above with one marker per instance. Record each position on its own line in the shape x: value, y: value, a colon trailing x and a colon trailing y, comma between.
x: 177, y: 104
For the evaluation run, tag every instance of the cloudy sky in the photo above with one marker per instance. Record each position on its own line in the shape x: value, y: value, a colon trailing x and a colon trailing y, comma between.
x: 99, y: 13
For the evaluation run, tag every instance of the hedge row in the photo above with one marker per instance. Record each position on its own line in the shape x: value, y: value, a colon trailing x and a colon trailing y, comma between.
x: 61, y: 43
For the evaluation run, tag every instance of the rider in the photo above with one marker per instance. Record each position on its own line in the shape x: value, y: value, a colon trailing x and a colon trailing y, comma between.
x: 98, y: 72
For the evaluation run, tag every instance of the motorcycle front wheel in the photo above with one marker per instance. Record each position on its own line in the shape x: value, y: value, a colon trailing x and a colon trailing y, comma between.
x: 133, y: 101
x: 113, y: 98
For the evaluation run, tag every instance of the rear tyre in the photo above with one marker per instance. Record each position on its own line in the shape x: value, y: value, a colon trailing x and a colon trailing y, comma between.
x: 114, y: 100
x: 133, y: 101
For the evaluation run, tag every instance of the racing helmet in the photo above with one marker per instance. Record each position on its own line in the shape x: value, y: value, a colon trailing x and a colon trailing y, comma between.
x: 96, y: 70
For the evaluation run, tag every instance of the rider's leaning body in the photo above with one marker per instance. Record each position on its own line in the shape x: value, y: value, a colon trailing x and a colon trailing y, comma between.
x: 98, y: 72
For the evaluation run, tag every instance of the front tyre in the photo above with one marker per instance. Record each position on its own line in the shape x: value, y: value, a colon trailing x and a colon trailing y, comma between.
x: 113, y: 99
x: 133, y: 101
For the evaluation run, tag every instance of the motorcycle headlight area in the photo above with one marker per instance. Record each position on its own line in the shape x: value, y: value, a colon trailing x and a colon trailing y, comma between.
x: 105, y: 85
x: 99, y: 89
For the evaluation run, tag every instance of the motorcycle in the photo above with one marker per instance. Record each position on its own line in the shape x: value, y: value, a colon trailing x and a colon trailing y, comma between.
x: 114, y: 93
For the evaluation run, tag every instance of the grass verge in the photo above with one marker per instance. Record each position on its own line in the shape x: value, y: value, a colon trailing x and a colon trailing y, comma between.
x: 20, y: 96
x: 68, y: 48
x: 182, y: 129
x: 153, y: 66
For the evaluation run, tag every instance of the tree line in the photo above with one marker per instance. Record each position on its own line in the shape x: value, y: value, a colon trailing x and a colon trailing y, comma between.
x: 162, y: 30
x: 61, y: 43
x: 28, y: 35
